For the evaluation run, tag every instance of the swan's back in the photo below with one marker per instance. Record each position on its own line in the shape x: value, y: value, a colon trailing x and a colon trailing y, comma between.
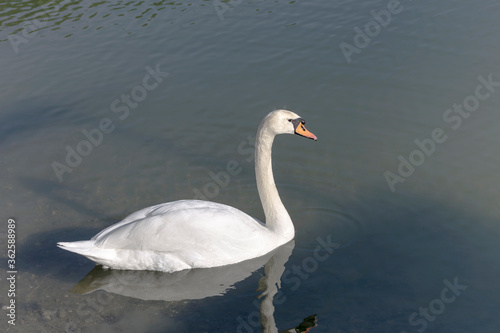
x: 185, y: 233
x: 180, y: 225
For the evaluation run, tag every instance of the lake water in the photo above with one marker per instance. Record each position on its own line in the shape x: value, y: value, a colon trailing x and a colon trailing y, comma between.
x: 395, y: 207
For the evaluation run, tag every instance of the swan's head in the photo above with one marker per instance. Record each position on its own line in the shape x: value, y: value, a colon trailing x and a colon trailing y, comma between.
x: 287, y: 122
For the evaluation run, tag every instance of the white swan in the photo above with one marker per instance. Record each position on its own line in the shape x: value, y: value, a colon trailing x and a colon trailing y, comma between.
x: 188, y: 234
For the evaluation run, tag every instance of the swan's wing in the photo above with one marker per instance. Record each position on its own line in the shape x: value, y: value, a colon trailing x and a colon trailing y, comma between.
x: 134, y: 217
x: 191, y: 230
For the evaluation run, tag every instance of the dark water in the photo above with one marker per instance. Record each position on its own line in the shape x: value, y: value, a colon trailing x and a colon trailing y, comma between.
x: 395, y: 207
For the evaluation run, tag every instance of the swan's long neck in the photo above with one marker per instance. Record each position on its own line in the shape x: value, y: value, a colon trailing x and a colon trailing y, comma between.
x: 277, y: 218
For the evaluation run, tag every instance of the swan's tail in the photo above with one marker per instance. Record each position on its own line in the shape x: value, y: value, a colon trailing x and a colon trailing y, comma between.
x: 81, y: 247
x: 88, y: 249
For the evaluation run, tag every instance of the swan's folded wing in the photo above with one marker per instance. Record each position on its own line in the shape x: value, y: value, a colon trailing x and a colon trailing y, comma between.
x: 194, y: 232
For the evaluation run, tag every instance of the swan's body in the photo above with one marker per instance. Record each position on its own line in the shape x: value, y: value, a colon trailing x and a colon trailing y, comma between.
x: 199, y: 234
x: 178, y: 235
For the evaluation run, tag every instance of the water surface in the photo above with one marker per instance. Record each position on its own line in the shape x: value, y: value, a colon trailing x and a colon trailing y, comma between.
x: 67, y: 65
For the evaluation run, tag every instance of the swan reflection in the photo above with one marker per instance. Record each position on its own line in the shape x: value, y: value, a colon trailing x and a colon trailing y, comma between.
x: 199, y: 283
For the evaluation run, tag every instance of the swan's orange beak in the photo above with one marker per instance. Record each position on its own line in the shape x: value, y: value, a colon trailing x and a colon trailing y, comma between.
x: 301, y: 130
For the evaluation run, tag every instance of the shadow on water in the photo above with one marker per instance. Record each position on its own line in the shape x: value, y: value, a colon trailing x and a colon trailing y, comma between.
x: 58, y: 192
x: 28, y: 117
x: 199, y: 284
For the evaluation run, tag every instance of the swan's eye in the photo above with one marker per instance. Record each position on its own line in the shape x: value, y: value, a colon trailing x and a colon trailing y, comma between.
x: 290, y: 120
